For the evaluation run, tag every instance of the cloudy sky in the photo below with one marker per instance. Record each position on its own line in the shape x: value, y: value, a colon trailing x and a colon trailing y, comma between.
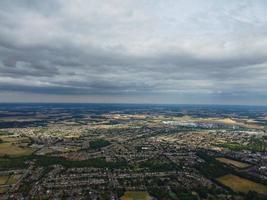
x: 134, y: 51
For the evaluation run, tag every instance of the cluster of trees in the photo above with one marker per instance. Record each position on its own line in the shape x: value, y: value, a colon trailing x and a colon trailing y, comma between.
x: 98, y: 143
x: 7, y: 162
x: 158, y: 165
x: 94, y: 162
x: 255, y: 144
x: 212, y: 168
x: 174, y: 194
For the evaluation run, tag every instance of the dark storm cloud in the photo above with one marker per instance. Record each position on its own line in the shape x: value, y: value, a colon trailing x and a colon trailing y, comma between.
x: 133, y: 48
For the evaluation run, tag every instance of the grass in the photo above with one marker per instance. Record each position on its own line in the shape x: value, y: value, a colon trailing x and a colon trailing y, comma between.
x: 234, y: 163
x: 12, y: 150
x: 13, y: 162
x: 3, y: 190
x: 13, y: 179
x: 255, y: 144
x: 14, y: 139
x: 135, y: 196
x: 3, y: 180
x: 243, y: 185
x: 5, y: 133
x: 9, y: 180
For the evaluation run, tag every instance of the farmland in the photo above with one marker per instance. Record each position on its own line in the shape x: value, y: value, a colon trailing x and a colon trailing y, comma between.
x: 239, y: 184
x: 3, y: 180
x: 234, y: 163
x: 13, y: 179
x: 135, y: 196
x: 12, y: 150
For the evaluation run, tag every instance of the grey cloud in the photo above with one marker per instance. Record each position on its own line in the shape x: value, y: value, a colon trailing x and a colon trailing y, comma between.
x: 88, y: 48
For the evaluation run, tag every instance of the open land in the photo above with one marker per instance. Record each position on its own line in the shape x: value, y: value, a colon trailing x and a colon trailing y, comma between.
x: 135, y: 196
x: 12, y: 150
x: 234, y: 163
x: 239, y: 184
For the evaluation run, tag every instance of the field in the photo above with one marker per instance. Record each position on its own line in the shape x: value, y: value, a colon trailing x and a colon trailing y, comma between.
x: 3, y: 190
x: 135, y: 196
x: 239, y: 184
x: 13, y: 179
x: 9, y: 180
x: 3, y: 180
x: 234, y: 163
x: 12, y: 150
x: 14, y: 139
x: 254, y: 145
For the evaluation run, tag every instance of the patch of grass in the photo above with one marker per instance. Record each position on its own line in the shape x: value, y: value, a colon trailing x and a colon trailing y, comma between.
x: 12, y: 150
x: 13, y: 179
x: 173, y: 195
x: 3, y: 180
x: 255, y: 144
x: 13, y: 163
x: 129, y: 195
x: 3, y: 190
x: 243, y: 185
x: 5, y: 133
x: 234, y: 163
x: 187, y: 196
x: 12, y: 139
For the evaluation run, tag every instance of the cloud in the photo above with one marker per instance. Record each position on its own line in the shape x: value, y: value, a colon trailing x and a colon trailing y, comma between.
x: 133, y: 48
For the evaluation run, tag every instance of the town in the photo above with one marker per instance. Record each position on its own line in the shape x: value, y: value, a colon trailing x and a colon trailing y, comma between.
x: 123, y: 152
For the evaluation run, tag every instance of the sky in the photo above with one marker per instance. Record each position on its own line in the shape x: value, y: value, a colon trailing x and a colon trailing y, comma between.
x: 134, y: 51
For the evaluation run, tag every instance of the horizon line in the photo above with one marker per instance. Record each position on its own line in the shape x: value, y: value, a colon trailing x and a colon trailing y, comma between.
x: 112, y: 103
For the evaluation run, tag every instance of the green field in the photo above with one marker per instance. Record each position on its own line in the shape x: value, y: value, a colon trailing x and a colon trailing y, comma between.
x: 255, y: 144
x: 13, y: 179
x: 234, y: 163
x: 9, y: 179
x: 3, y: 180
x: 3, y: 190
x: 243, y: 185
x: 11, y: 150
x: 14, y: 139
x: 135, y: 196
